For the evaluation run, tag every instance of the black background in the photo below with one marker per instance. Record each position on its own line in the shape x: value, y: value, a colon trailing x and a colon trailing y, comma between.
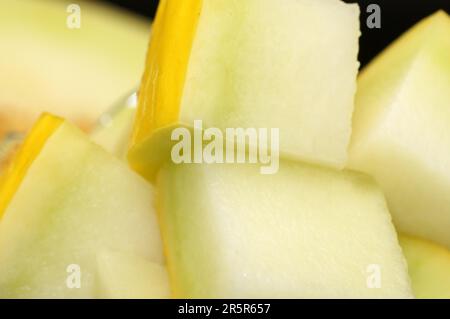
x: 396, y: 17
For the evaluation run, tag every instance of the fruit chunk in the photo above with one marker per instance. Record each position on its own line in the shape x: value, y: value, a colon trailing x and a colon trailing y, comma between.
x: 114, y: 128
x: 230, y: 232
x: 253, y: 63
x: 401, y: 133
x: 124, y: 276
x: 64, y: 201
x: 428, y: 266
x: 76, y: 73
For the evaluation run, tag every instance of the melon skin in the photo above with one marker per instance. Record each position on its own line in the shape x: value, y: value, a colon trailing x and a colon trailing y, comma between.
x: 306, y: 232
x: 401, y: 130
x: 74, y: 202
x: 126, y: 276
x: 251, y: 64
x: 428, y: 267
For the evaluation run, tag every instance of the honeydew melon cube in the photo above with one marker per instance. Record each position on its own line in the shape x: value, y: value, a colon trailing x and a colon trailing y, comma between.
x: 290, y: 65
x: 428, y: 267
x: 305, y: 232
x: 63, y: 201
x: 124, y: 276
x: 401, y: 132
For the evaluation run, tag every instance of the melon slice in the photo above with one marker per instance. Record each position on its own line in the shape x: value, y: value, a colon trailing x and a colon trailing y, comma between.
x: 251, y: 64
x: 401, y: 132
x: 124, y: 276
x: 428, y: 266
x: 63, y: 201
x: 305, y: 232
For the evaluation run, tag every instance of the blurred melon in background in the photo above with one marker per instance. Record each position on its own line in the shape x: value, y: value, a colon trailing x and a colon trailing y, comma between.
x: 74, y: 73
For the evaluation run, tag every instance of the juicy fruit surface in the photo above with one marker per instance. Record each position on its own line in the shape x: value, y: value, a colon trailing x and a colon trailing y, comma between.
x: 124, y: 276
x: 428, y: 266
x: 230, y: 232
x: 242, y: 61
x: 46, y: 66
x: 74, y: 202
x: 401, y: 132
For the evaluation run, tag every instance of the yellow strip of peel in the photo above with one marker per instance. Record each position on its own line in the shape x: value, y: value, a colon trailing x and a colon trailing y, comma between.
x: 30, y: 149
x: 166, y: 67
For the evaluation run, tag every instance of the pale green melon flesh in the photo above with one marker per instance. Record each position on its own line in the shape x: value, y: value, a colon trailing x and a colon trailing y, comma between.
x: 401, y: 128
x: 428, y: 266
x: 75, y: 202
x: 289, y: 65
x: 230, y: 232
x: 125, y: 276
x: 113, y: 131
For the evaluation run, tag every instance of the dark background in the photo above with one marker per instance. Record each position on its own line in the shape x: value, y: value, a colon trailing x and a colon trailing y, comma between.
x: 396, y: 17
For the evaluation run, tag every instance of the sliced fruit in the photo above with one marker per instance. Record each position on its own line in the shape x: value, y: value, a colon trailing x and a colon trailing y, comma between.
x: 428, y: 266
x: 305, y: 232
x: 124, y: 276
x: 254, y: 63
x: 401, y: 133
x: 113, y: 131
x: 75, y: 73
x: 64, y: 201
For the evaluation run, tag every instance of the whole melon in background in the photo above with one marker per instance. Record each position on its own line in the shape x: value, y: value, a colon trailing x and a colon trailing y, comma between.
x: 77, y: 73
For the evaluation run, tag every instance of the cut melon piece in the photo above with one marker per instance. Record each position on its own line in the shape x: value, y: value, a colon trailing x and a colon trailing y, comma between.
x: 124, y: 276
x: 75, y: 73
x: 401, y: 133
x: 305, y: 232
x: 113, y: 131
x: 63, y: 201
x: 428, y: 266
x: 251, y: 64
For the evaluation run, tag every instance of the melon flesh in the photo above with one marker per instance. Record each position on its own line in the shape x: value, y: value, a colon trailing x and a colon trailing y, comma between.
x: 113, y: 130
x: 401, y: 132
x: 251, y: 64
x: 125, y: 276
x: 306, y: 232
x: 64, y: 201
x: 428, y: 267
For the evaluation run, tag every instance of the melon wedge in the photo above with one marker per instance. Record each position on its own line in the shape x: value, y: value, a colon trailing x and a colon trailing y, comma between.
x: 63, y: 201
x: 428, y: 266
x: 250, y: 64
x: 305, y: 232
x: 401, y: 132
x: 124, y: 276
